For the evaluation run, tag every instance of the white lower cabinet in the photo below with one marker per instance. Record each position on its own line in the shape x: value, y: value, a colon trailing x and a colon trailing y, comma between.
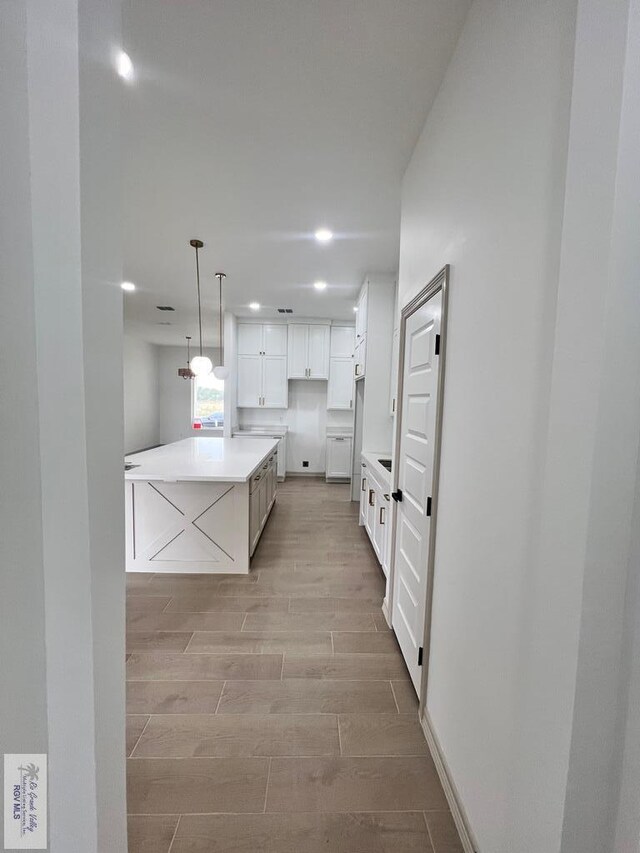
x: 375, y: 514
x: 338, y: 465
x: 261, y: 498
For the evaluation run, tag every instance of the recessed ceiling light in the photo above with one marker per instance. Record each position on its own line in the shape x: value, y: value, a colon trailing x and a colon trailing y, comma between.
x: 128, y: 285
x: 323, y: 235
x: 255, y: 306
x: 124, y: 66
x: 355, y: 307
x: 320, y: 285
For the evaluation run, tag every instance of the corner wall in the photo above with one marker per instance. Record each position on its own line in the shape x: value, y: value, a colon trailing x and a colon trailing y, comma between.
x: 141, y: 394
x: 484, y: 192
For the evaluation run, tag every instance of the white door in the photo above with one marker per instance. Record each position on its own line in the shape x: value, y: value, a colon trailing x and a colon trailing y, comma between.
x: 415, y: 478
x: 249, y: 339
x: 274, y: 382
x: 249, y: 381
x: 339, y: 457
x: 297, y: 350
x: 340, y: 387
x: 342, y: 340
x: 274, y: 339
x: 318, y: 360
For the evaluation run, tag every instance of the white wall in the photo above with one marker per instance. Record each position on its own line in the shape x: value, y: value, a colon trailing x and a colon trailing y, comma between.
x: 141, y: 394
x: 307, y: 419
x: 62, y: 509
x: 484, y: 192
x: 174, y: 395
x: 525, y: 182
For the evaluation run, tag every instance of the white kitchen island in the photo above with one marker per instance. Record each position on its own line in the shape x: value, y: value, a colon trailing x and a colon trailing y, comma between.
x: 198, y: 505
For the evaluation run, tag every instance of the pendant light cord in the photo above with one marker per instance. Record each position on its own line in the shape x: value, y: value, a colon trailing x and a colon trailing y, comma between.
x: 221, y: 323
x: 199, y: 306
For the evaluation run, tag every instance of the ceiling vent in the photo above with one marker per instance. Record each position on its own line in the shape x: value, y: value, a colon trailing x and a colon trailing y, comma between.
x: 165, y: 308
x: 285, y: 310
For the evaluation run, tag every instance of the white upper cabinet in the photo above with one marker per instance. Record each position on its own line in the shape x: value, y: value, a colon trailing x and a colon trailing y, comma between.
x: 298, y: 351
x: 340, y: 387
x: 262, y: 366
x: 249, y: 339
x: 342, y: 341
x: 308, y: 351
x: 274, y: 339
x: 274, y: 382
x: 361, y: 315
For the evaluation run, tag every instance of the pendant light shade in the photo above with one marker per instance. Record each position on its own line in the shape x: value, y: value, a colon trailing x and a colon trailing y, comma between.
x: 186, y: 372
x: 200, y: 365
x: 220, y: 371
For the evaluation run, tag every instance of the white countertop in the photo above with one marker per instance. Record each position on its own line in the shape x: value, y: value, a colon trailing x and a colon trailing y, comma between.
x: 371, y: 458
x: 261, y: 429
x: 208, y: 459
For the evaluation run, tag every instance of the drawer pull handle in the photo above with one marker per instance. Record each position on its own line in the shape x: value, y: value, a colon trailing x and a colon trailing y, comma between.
x: 364, y: 484
x: 382, y: 515
x: 372, y: 495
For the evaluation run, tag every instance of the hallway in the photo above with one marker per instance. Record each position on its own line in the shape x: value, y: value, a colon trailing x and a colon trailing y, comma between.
x: 273, y: 712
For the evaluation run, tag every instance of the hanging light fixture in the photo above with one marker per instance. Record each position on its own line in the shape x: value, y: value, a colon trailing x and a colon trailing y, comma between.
x: 186, y: 372
x: 200, y: 365
x: 221, y: 372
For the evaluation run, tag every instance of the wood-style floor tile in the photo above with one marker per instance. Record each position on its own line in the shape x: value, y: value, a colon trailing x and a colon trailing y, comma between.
x: 400, y: 832
x: 213, y: 603
x: 316, y: 604
x: 443, y: 833
x: 353, y: 784
x: 352, y: 667
x: 151, y: 834
x: 152, y: 641
x: 173, y: 697
x: 309, y: 622
x: 185, y: 621
x: 261, y: 642
x: 196, y: 785
x: 159, y: 666
x: 357, y: 643
x: 184, y: 736
x: 300, y: 696
x: 406, y: 696
x: 139, y: 604
x: 379, y: 734
x: 134, y: 726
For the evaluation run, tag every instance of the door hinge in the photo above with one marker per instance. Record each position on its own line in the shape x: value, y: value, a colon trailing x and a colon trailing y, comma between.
x: 420, y: 650
x: 397, y: 496
x: 429, y: 506
x: 437, y: 344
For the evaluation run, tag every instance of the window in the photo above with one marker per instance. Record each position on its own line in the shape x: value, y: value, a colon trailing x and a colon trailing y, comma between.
x: 208, y: 401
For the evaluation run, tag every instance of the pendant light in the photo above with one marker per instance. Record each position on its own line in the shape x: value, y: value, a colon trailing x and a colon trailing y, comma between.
x: 186, y: 372
x: 200, y: 365
x: 221, y: 372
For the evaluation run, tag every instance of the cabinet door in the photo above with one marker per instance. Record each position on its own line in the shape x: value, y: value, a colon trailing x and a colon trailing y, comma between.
x: 274, y: 382
x: 379, y: 526
x: 359, y: 359
x: 274, y: 339
x: 298, y: 347
x: 249, y: 339
x: 340, y: 387
x: 254, y: 519
x: 318, y: 360
x: 386, y: 538
x: 262, y: 496
x: 393, y: 384
x: 370, y: 520
x: 249, y: 381
x: 282, y: 458
x: 342, y: 341
x: 364, y: 492
x: 339, y: 457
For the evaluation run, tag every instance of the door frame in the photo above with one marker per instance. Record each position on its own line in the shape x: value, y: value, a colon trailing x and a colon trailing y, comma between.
x: 440, y: 283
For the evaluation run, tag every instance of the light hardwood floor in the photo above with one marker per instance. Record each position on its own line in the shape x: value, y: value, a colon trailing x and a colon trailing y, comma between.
x: 273, y: 712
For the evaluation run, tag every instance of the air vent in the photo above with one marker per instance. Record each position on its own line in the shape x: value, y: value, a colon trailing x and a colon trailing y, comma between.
x: 165, y: 308
x: 285, y: 310
x: 164, y: 323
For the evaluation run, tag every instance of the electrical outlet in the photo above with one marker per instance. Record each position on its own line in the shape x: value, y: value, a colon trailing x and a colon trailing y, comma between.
x: 305, y: 463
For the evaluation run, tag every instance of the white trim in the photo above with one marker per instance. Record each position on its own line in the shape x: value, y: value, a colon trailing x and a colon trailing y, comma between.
x: 457, y: 811
x: 385, y: 611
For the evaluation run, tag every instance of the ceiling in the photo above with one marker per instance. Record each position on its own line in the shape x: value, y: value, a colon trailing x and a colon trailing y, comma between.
x: 251, y: 123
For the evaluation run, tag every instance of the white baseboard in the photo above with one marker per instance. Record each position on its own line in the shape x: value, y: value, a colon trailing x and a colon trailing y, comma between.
x: 385, y: 611
x: 457, y: 812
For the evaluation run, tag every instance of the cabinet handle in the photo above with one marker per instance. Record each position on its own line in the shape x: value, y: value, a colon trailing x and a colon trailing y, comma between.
x: 381, y: 515
x: 339, y: 439
x: 393, y: 405
x: 265, y: 466
x: 351, y: 404
x: 364, y: 484
x: 258, y: 477
x: 372, y: 495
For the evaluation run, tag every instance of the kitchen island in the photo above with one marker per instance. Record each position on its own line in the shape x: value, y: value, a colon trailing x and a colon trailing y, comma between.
x: 198, y: 505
